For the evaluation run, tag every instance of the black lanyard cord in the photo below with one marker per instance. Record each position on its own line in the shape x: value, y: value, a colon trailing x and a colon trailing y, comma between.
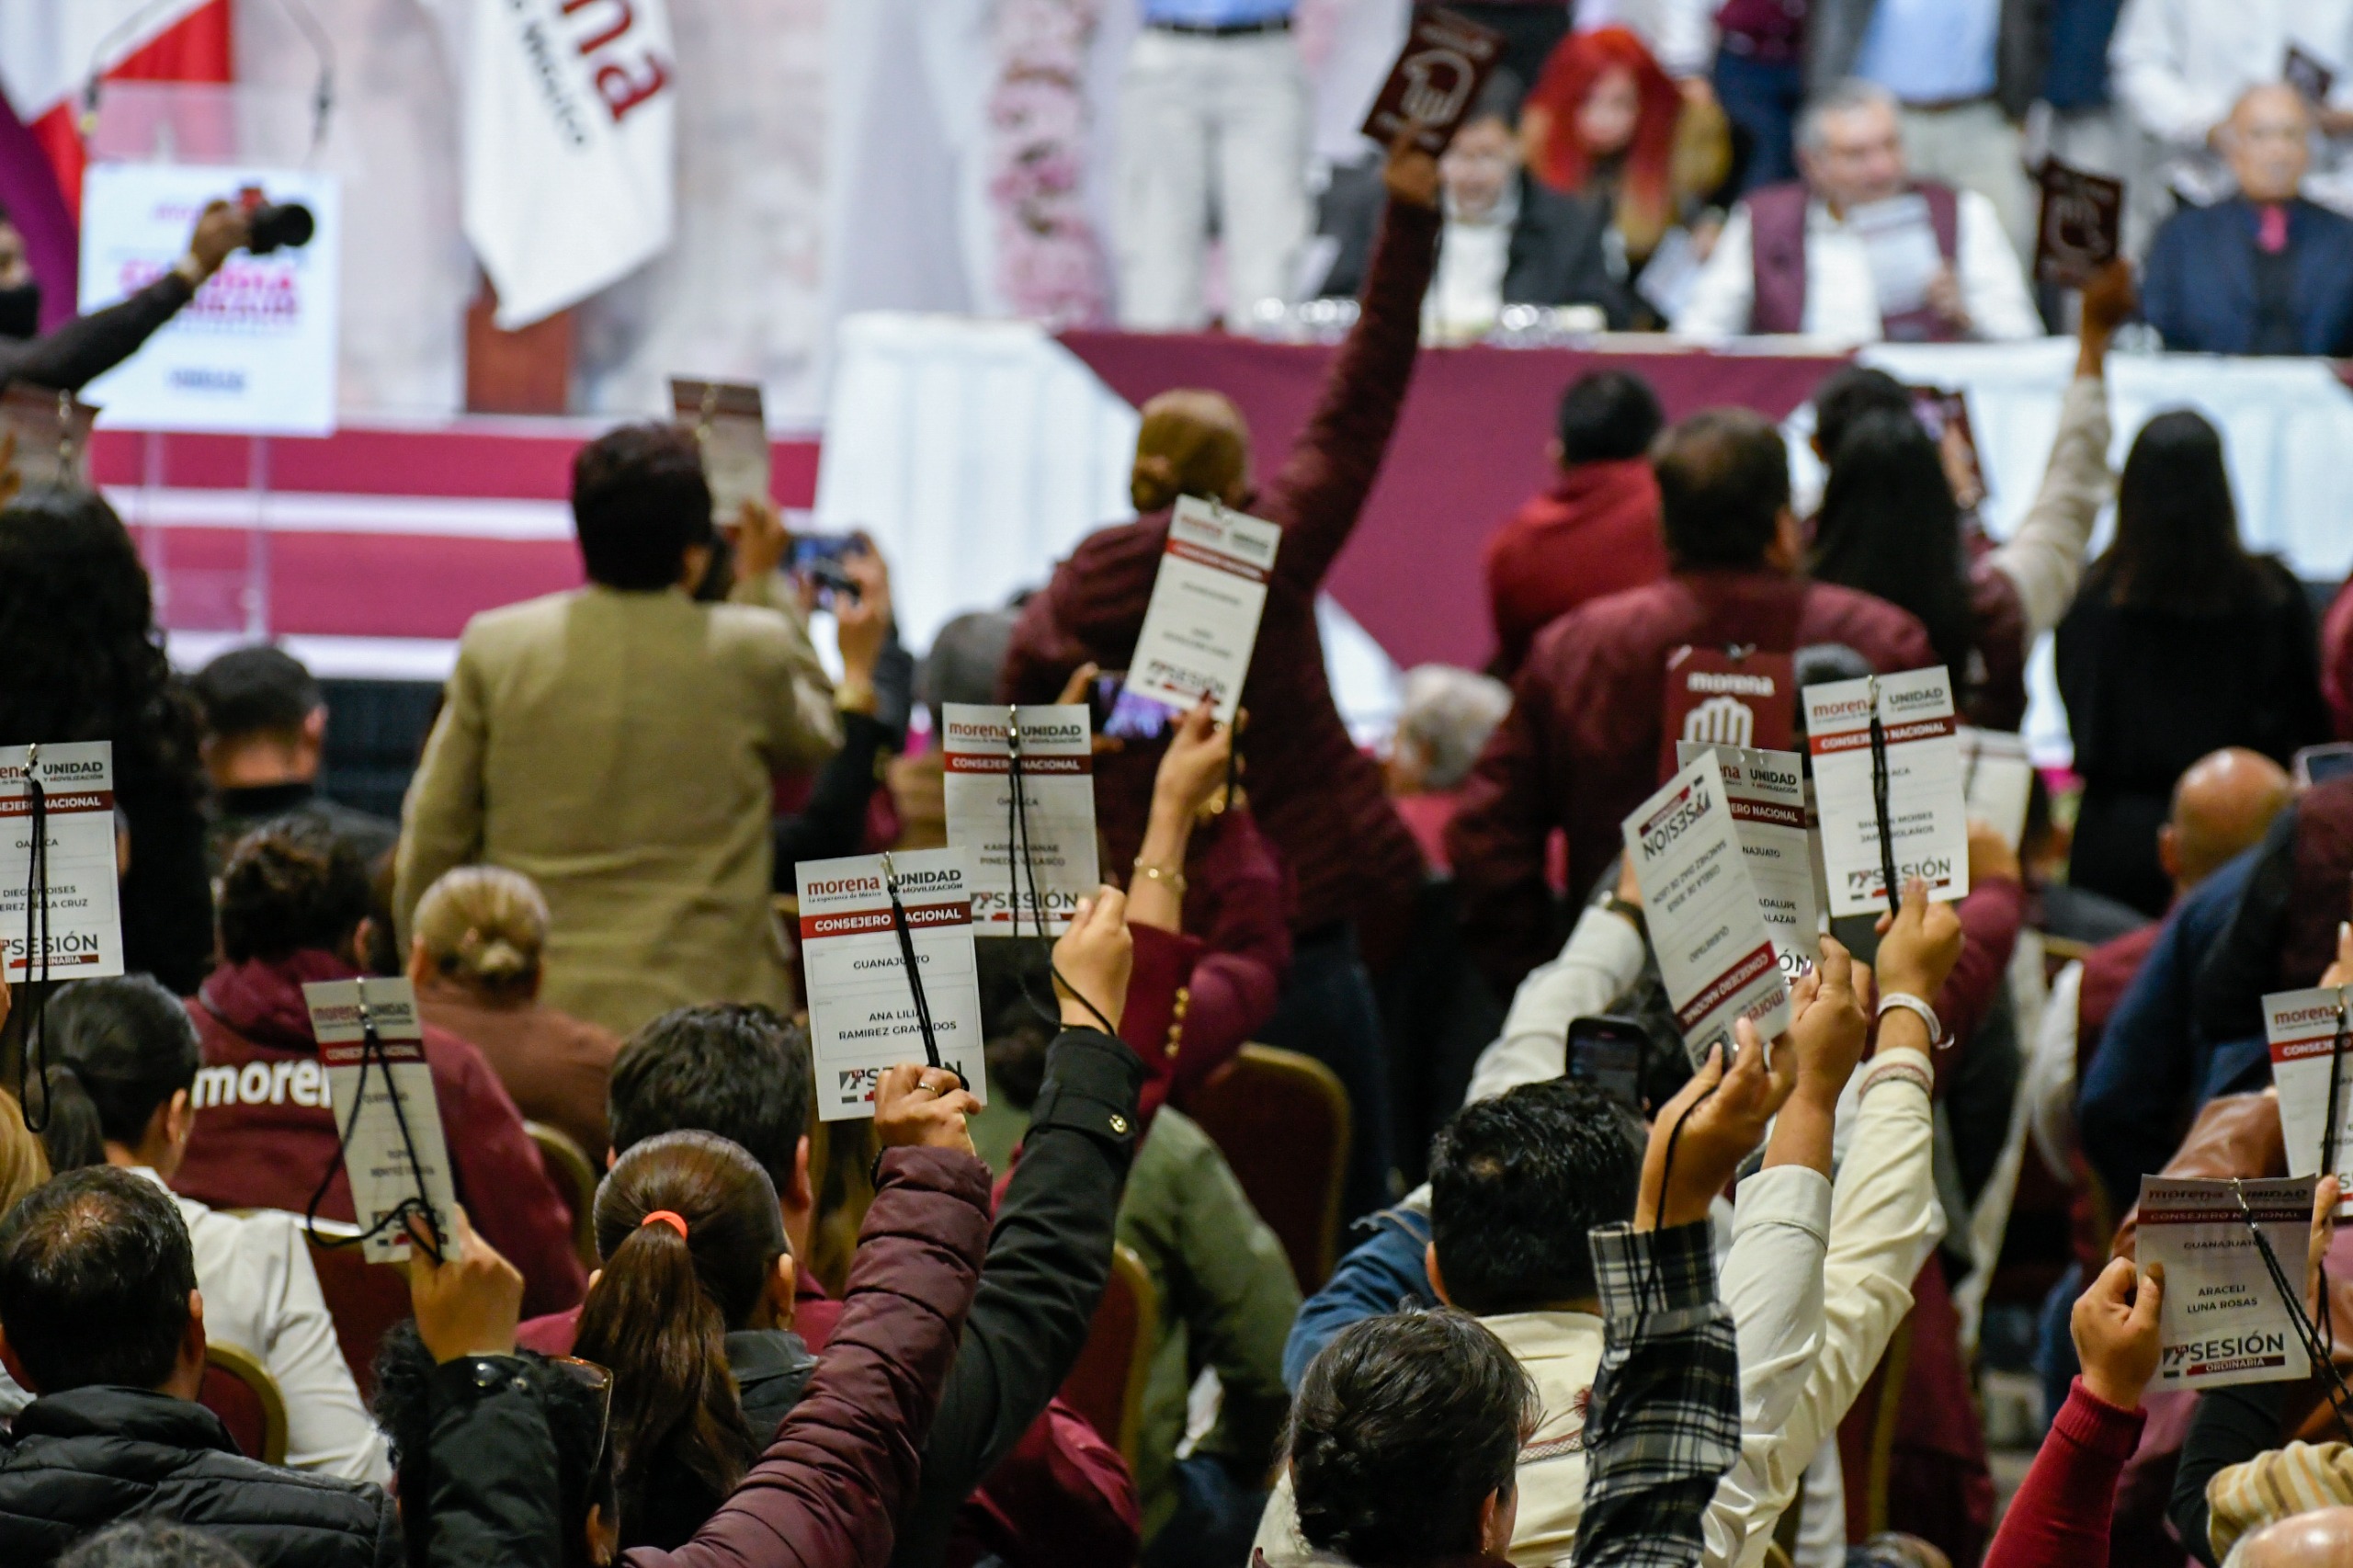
x: 36, y: 947
x: 2316, y: 1342
x: 371, y: 1049
x: 1879, y: 806
x: 914, y: 967
x: 1018, y: 857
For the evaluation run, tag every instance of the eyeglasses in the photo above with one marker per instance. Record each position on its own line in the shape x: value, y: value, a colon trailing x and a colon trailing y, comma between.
x: 599, y: 1381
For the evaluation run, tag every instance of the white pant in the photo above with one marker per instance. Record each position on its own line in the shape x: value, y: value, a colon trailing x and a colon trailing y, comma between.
x: 1209, y: 126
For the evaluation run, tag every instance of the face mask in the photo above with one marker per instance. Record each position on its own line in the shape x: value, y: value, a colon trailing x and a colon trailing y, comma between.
x: 20, y: 310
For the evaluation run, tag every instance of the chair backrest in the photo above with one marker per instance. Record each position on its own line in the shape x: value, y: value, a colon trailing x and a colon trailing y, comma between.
x: 240, y: 1391
x: 1106, y: 1383
x: 1281, y: 1121
x: 575, y: 1182
x: 364, y: 1299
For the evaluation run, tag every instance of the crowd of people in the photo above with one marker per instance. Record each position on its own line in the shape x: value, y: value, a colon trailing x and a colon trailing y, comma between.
x: 1734, y: 1314
x: 1846, y: 169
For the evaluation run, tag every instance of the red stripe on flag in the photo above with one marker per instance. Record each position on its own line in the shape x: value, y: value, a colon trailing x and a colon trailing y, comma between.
x: 197, y: 48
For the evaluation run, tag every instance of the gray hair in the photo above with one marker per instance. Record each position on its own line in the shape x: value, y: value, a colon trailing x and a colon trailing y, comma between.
x: 1840, y: 98
x: 964, y: 661
x: 1448, y: 714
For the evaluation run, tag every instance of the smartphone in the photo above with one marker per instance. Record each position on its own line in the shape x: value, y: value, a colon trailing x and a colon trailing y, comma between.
x: 812, y: 551
x: 1612, y: 1053
x: 1125, y: 715
x: 2318, y: 764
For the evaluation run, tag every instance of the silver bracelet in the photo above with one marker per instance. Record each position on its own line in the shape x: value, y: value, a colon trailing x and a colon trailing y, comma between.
x: 1911, y: 1004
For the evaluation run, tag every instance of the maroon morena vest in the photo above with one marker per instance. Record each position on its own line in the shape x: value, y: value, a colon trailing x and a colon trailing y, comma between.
x: 1776, y: 260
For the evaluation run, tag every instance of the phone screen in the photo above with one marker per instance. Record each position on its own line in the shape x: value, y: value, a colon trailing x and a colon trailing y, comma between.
x: 1126, y: 715
x: 812, y: 551
x: 2318, y: 764
x: 1611, y: 1054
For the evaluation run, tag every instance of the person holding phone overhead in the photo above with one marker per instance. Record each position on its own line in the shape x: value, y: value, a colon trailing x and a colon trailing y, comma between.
x: 1316, y: 796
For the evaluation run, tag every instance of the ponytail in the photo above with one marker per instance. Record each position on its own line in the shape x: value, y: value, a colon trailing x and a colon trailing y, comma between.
x: 651, y: 1322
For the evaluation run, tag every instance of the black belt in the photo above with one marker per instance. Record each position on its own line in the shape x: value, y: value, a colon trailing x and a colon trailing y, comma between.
x: 1224, y: 30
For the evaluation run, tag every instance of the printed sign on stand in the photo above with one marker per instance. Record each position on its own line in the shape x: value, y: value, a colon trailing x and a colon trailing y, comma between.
x: 863, y: 1016
x: 1766, y: 792
x: 1056, y: 825
x: 1202, y: 623
x: 1715, y: 954
x: 1928, y: 819
x: 84, y: 920
x: 394, y: 1150
x: 255, y: 352
x: 2223, y: 1320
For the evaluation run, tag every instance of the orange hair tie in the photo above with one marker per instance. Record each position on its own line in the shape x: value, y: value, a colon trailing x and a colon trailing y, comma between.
x: 664, y: 1216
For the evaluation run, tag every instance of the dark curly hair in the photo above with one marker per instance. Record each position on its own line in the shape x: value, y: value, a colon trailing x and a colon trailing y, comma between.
x: 78, y: 639
x: 1403, y: 1425
x: 291, y: 885
x: 1516, y: 1181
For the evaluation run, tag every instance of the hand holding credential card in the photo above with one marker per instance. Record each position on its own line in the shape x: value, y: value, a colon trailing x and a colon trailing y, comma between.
x: 1715, y: 954
x: 1435, y: 82
x: 1033, y: 855
x: 1202, y: 623
x: 1887, y: 778
x: 2226, y: 1316
x: 2082, y: 226
x: 389, y: 1120
x: 886, y: 950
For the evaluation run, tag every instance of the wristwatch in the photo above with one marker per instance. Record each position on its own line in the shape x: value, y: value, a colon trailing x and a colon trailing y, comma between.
x: 1626, y: 909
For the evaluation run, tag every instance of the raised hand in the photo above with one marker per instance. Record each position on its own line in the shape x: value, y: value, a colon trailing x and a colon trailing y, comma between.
x: 1712, y: 1125
x: 1093, y: 960
x: 2115, y: 1328
x: 917, y: 1107
x: 1919, y: 947
x: 468, y: 1303
x: 1411, y: 173
x: 1827, y: 1026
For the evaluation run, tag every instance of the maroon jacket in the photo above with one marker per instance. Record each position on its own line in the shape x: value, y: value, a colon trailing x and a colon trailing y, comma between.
x: 264, y: 1132
x: 1193, y: 1001
x: 1594, y: 533
x: 1316, y: 795
x: 2060, y: 1517
x: 1580, y: 747
x: 845, y: 1462
x: 1776, y: 260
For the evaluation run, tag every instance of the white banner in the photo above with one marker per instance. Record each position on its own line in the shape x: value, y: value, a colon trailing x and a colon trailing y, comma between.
x: 255, y: 352
x: 566, y: 141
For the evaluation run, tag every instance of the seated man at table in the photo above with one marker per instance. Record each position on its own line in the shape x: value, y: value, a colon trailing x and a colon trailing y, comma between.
x: 1815, y: 256
x: 2266, y: 271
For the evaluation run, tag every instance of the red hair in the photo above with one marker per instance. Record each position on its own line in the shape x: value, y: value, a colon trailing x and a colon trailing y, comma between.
x: 1570, y: 74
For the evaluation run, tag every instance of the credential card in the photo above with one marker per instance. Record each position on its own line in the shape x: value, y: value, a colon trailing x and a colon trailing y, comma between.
x: 83, y: 925
x: 862, y: 1016
x: 1996, y: 779
x: 398, y: 1089
x: 1765, y: 790
x: 728, y: 423
x: 1058, y: 792
x: 2222, y: 1321
x: 1927, y: 816
x: 2301, y: 1027
x: 1715, y: 953
x: 1202, y: 623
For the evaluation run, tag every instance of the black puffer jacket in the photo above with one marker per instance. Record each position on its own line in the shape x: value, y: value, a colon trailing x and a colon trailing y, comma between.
x: 80, y: 1460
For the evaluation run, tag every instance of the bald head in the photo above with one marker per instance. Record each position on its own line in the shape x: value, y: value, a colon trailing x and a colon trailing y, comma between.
x: 2322, y: 1539
x: 2219, y: 808
x: 2267, y: 140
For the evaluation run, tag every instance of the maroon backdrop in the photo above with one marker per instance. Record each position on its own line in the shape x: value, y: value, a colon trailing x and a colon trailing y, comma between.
x: 1468, y: 450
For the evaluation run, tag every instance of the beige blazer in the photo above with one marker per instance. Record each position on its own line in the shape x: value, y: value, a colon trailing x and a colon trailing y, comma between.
x: 619, y: 749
